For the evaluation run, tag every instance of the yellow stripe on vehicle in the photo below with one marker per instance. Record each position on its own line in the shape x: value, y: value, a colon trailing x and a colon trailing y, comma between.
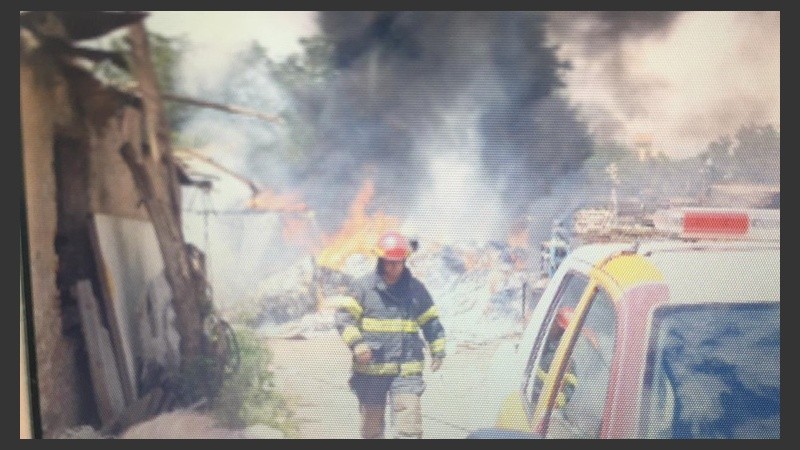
x: 389, y: 325
x: 558, y: 364
x: 561, y: 400
x: 513, y: 415
x: 621, y: 272
x: 431, y: 313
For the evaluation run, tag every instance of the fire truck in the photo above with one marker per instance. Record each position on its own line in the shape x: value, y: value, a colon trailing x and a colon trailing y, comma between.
x: 673, y: 338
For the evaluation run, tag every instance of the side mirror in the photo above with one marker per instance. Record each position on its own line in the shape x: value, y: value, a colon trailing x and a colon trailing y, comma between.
x: 414, y: 244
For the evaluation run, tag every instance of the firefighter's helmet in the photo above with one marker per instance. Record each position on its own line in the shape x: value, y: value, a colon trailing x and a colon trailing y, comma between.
x: 393, y: 246
x: 564, y: 317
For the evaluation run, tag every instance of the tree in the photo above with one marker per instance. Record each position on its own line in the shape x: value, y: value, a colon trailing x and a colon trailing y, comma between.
x: 751, y: 156
x: 757, y: 154
x: 309, y: 70
x: 166, y: 53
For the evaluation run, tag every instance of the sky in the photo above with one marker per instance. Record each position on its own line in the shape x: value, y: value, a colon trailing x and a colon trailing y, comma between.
x: 277, y: 30
x: 215, y: 35
x: 706, y: 75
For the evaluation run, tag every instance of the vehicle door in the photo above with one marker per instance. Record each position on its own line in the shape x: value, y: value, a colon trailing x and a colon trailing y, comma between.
x: 569, y: 365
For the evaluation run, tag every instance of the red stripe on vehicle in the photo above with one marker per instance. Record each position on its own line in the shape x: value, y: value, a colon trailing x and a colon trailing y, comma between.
x: 716, y: 222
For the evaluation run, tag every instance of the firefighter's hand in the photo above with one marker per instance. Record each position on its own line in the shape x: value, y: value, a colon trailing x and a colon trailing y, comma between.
x: 363, y: 354
x: 435, y: 364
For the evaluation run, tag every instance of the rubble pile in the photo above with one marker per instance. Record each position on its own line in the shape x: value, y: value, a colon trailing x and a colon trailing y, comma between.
x: 481, y: 292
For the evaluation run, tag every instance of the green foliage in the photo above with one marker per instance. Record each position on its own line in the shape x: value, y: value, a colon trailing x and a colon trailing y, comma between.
x: 753, y: 155
x: 247, y: 316
x: 166, y: 53
x: 248, y: 396
x: 310, y: 69
x: 193, y: 382
x: 302, y: 76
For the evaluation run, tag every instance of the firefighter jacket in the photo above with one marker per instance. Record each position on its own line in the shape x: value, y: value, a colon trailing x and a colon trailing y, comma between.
x: 394, y: 321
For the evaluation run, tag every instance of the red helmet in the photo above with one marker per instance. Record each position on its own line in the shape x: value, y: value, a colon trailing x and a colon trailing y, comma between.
x: 393, y: 246
x: 564, y: 317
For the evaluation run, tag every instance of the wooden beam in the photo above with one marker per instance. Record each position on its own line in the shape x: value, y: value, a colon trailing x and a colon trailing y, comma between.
x: 219, y: 166
x: 106, y: 381
x: 156, y: 181
x: 227, y: 108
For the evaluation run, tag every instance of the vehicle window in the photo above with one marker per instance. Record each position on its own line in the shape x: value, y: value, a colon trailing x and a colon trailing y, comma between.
x: 578, y: 410
x: 713, y: 371
x: 572, y: 287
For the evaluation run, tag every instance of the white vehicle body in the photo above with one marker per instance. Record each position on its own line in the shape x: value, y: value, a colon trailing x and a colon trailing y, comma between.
x: 624, y: 395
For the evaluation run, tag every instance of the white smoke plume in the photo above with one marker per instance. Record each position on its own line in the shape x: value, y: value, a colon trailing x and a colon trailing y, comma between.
x: 469, y: 122
x: 672, y: 81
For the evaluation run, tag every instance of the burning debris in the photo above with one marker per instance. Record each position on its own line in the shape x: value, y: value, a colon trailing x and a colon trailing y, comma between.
x: 267, y: 200
x: 482, y: 289
x: 481, y: 292
x: 359, y: 232
x: 456, y: 126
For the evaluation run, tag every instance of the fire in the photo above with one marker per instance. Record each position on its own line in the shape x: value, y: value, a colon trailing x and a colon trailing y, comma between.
x: 267, y: 200
x: 518, y: 237
x: 296, y: 217
x: 471, y: 259
x: 519, y: 243
x: 359, y: 232
x: 299, y: 229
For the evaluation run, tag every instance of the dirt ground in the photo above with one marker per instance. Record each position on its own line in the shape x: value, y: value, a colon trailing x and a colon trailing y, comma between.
x: 463, y: 395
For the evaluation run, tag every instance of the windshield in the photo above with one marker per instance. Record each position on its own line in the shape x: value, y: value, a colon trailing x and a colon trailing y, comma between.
x: 713, y: 371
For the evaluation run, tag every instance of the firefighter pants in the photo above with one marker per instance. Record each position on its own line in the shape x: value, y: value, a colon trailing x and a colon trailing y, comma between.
x: 403, y: 395
x: 407, y: 416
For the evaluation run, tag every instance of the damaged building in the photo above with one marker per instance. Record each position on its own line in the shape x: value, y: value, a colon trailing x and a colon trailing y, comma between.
x: 102, y: 245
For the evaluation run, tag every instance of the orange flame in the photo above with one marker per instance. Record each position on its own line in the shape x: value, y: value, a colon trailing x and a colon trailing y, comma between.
x: 471, y: 259
x: 297, y: 229
x: 296, y: 224
x: 518, y: 237
x: 269, y: 201
x: 359, y: 232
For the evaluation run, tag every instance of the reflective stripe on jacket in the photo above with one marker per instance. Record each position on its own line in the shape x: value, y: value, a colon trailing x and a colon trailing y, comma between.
x: 395, y: 322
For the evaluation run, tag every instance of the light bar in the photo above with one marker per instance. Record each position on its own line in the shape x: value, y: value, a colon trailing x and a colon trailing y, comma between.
x: 720, y: 223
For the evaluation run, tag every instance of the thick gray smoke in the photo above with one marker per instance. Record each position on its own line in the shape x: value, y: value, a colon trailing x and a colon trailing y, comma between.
x: 460, y: 86
x: 602, y: 31
x: 676, y: 80
x: 466, y: 122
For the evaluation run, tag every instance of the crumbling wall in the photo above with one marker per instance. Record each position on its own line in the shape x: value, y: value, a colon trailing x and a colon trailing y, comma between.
x: 112, y: 190
x: 44, y: 106
x: 72, y: 130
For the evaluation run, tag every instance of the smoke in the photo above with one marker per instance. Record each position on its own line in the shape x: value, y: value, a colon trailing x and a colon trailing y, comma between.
x: 457, y: 113
x: 470, y: 122
x: 675, y: 80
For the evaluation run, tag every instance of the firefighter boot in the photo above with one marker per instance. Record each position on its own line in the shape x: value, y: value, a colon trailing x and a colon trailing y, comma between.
x: 407, y: 415
x: 372, y: 422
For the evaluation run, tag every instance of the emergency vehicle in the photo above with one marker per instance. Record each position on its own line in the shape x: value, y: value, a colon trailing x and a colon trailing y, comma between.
x: 666, y: 339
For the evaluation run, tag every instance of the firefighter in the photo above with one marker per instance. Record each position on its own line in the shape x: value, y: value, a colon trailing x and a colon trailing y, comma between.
x: 557, y: 329
x: 386, y: 321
